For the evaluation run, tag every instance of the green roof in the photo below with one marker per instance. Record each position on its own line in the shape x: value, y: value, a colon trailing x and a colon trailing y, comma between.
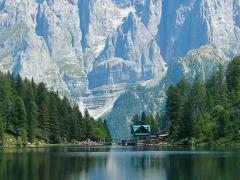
x: 137, y: 127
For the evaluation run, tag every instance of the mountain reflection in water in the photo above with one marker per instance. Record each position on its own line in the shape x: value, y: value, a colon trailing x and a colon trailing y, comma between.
x: 110, y: 163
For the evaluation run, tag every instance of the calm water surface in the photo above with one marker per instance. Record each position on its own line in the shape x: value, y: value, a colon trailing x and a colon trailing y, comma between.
x: 123, y: 163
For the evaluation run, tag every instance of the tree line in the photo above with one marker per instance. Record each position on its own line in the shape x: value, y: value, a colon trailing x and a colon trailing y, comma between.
x: 31, y: 112
x: 206, y: 111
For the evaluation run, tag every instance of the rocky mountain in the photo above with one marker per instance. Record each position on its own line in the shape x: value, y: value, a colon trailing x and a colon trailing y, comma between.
x: 98, y: 52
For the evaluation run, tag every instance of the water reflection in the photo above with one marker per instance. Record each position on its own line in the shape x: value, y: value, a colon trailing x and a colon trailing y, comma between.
x: 117, y: 163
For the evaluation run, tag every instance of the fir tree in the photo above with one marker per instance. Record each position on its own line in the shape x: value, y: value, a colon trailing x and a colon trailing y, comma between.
x: 20, y: 118
x: 144, y: 118
x: 32, y: 121
x: 1, y: 130
x: 43, y: 121
x: 54, y: 121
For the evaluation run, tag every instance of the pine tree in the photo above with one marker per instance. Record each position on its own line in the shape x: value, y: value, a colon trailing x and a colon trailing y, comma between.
x: 91, y: 128
x: 187, y: 126
x: 173, y: 108
x: 1, y: 130
x: 136, y: 120
x: 222, y: 85
x: 20, y: 118
x: 233, y: 80
x: 66, y: 117
x: 54, y: 120
x: 154, y: 125
x: 236, y: 124
x: 108, y: 137
x: 6, y: 100
x: 43, y: 120
x: 32, y: 121
x: 143, y: 118
x: 81, y: 125
x: 32, y: 111
x: 74, y: 133
x: 19, y: 86
x: 42, y: 99
x: 159, y: 121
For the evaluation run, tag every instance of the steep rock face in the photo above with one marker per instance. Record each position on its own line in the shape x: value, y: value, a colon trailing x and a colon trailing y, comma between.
x: 137, y: 56
x: 58, y: 23
x: 95, y: 50
x: 190, y: 24
x: 99, y: 18
x: 183, y: 27
x: 130, y: 53
x: 22, y: 51
x: 112, y: 71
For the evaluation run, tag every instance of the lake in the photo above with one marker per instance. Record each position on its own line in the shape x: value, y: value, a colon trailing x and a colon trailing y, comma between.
x: 123, y: 163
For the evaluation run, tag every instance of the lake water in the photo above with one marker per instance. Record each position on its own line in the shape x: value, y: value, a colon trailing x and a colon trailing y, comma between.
x: 123, y: 163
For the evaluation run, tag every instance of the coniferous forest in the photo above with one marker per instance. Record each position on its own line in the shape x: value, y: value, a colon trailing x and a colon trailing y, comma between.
x: 195, y: 111
x: 31, y: 113
x: 206, y: 111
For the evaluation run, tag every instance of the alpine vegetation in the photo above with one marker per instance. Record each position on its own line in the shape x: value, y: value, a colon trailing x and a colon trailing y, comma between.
x: 206, y: 111
x: 30, y: 113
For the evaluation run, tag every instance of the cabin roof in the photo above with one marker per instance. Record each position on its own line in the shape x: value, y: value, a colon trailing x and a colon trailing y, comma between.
x: 135, y: 128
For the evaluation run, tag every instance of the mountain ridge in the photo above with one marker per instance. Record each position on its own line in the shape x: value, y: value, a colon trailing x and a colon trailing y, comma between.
x: 94, y: 51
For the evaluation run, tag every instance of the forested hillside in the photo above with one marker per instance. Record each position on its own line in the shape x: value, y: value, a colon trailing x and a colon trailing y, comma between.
x: 30, y: 113
x: 206, y: 111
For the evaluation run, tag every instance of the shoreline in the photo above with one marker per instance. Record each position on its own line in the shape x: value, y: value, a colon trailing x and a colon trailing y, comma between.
x: 111, y: 144
x: 42, y: 145
x: 95, y: 143
x: 167, y: 144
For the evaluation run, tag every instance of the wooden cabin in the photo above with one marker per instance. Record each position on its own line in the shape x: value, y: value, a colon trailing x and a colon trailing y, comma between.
x: 141, y: 132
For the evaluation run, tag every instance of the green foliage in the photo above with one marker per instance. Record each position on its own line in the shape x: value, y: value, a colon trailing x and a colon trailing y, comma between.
x: 32, y: 113
x: 233, y: 80
x: 136, y: 120
x: 20, y: 118
x: 206, y: 111
x: 32, y: 121
x: 1, y: 130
